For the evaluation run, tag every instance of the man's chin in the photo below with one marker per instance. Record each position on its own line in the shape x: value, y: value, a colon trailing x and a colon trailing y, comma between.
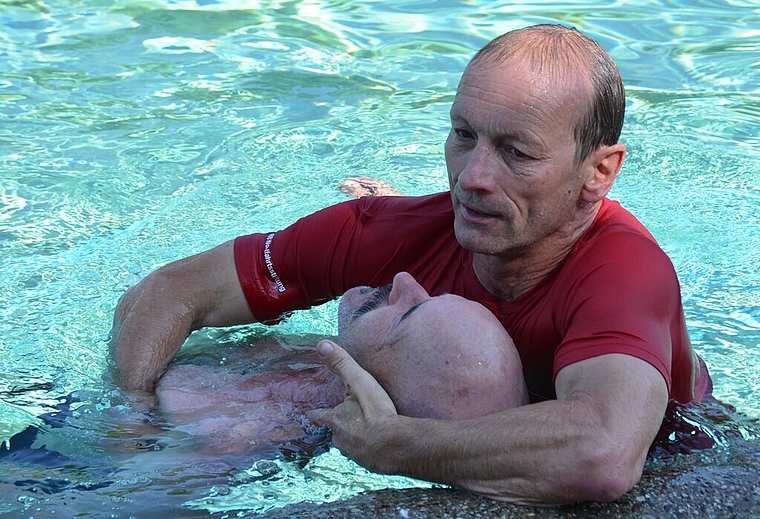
x: 476, y: 240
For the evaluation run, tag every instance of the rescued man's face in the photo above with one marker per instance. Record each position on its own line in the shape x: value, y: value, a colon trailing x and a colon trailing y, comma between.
x: 386, y: 322
x: 409, y: 342
x: 375, y: 318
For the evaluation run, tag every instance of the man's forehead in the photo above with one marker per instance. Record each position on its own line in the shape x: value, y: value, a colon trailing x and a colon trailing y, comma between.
x: 506, y: 98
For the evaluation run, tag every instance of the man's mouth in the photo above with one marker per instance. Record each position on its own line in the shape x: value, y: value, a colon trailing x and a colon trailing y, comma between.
x: 378, y: 298
x: 471, y: 212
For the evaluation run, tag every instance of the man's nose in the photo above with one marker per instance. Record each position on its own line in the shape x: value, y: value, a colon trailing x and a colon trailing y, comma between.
x: 478, y: 171
x: 406, y: 290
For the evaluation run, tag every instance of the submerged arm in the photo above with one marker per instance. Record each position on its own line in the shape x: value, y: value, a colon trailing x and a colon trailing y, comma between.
x: 154, y: 317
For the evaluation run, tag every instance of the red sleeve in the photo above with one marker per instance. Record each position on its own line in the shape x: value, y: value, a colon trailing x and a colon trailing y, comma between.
x: 359, y: 242
x: 625, y: 299
x: 292, y: 269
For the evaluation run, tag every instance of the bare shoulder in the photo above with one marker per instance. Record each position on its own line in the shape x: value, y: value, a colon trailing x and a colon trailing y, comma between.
x: 358, y: 187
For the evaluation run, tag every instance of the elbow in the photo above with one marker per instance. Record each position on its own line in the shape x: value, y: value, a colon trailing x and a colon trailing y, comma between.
x: 610, y: 486
x: 596, y: 477
x: 608, y: 476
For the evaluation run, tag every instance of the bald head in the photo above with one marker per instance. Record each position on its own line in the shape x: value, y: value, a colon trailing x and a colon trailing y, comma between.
x: 437, y: 357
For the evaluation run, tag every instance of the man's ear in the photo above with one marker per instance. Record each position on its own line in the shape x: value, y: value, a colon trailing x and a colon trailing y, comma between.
x: 602, y: 168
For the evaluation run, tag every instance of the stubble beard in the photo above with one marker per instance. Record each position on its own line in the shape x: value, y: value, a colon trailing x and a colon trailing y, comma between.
x: 483, y: 241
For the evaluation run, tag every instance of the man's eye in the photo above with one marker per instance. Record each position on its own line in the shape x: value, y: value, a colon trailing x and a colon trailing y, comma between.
x: 409, y: 312
x: 518, y: 154
x: 464, y: 134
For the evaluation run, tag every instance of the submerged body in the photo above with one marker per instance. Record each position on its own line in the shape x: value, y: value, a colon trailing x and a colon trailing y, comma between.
x: 246, y: 405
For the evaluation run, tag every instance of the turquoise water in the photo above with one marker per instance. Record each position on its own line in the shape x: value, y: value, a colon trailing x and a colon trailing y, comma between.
x: 137, y: 132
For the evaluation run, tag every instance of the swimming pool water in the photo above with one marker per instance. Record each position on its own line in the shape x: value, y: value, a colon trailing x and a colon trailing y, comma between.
x: 137, y: 132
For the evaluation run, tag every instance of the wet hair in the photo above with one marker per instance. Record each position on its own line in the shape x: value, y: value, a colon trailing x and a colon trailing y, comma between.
x: 560, y: 50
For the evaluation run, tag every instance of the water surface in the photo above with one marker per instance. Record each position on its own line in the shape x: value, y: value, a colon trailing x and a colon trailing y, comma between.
x: 137, y: 132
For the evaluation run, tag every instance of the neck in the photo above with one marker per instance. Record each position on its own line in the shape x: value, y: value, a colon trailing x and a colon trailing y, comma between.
x: 509, y: 275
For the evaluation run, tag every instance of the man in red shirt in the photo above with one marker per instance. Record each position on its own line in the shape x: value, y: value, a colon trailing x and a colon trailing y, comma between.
x: 590, y: 299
